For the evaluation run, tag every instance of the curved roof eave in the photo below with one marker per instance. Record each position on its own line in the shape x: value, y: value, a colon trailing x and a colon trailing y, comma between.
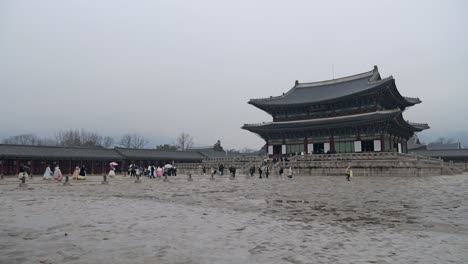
x: 328, y: 121
x: 375, y: 87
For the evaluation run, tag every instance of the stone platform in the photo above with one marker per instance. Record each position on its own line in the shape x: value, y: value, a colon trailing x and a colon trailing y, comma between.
x: 363, y: 164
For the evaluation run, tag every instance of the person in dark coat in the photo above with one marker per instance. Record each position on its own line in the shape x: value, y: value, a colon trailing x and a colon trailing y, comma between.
x: 232, y: 170
x: 281, y: 171
x: 267, y: 171
x: 221, y: 169
x: 82, y: 170
x: 260, y: 172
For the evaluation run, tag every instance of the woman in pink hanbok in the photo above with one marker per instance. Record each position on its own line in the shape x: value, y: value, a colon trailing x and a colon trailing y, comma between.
x: 76, y: 173
x: 111, y: 171
x: 159, y: 172
x: 58, y: 174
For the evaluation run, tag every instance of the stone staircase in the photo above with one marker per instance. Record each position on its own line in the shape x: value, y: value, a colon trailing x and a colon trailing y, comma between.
x: 363, y: 164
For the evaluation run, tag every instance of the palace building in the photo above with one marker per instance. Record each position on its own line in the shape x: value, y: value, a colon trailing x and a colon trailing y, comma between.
x: 358, y: 113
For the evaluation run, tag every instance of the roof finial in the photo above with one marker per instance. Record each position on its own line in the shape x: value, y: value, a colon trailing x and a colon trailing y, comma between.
x: 376, y: 68
x: 296, y: 83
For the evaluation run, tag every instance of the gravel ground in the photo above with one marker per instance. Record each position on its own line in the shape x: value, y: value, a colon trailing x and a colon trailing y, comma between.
x: 246, y: 220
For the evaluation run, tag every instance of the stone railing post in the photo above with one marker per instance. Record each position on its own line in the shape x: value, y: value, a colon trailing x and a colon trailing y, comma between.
x: 104, y: 179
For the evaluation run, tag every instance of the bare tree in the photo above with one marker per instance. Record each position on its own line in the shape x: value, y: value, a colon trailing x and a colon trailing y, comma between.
x: 248, y: 150
x: 46, y: 142
x: 133, y: 141
x: 184, y: 141
x: 443, y: 140
x: 166, y: 147
x: 25, y: 139
x: 126, y: 141
x: 107, y: 142
x: 83, y: 138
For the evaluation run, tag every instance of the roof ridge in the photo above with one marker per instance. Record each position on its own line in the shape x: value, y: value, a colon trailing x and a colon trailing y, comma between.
x: 337, y: 80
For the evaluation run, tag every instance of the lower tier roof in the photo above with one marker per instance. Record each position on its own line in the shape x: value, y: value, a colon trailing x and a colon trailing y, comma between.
x: 335, y: 122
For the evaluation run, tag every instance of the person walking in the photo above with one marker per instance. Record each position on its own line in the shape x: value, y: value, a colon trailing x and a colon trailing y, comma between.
x: 159, y: 172
x: 133, y: 170
x: 47, y: 174
x: 281, y: 171
x: 349, y: 173
x: 111, y: 171
x: 57, y: 173
x: 267, y: 171
x: 83, y: 171
x: 152, y: 173
x: 290, y: 172
x: 204, y: 170
x: 213, y: 172
x: 76, y: 173
x: 260, y: 171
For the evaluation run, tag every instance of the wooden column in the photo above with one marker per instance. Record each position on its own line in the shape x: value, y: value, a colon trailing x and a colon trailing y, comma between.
x: 306, y: 145
x: 17, y: 166
x: 332, y: 142
x: 32, y: 166
x: 382, y: 143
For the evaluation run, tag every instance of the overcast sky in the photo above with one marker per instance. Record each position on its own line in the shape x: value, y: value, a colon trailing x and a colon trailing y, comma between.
x: 162, y: 67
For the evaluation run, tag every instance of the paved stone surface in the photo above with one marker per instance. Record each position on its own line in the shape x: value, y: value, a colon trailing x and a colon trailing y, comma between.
x: 303, y: 220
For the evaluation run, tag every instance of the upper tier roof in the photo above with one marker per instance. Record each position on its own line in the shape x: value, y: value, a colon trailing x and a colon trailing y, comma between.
x: 314, y: 92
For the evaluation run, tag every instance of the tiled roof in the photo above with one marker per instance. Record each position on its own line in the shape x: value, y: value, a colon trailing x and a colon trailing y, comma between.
x: 437, y: 146
x: 328, y: 121
x: 24, y: 151
x: 449, y: 153
x: 307, y: 93
x: 49, y: 152
x: 159, y: 154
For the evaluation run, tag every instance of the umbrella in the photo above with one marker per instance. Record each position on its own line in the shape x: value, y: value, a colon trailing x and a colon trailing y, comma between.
x: 168, y: 166
x: 113, y: 163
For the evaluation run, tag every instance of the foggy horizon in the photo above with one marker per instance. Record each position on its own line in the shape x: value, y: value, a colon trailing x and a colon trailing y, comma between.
x: 162, y: 68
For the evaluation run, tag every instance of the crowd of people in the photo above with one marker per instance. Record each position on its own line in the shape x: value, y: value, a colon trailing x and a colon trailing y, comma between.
x: 153, y: 171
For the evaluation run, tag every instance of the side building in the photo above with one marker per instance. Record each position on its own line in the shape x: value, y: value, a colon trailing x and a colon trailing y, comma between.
x: 96, y: 160
x: 358, y: 113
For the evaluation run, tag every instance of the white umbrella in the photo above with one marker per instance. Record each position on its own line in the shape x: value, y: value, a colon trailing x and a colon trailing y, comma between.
x: 113, y: 163
x: 168, y: 166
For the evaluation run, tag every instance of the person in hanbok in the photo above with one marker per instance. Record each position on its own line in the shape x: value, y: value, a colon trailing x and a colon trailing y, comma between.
x: 76, y: 173
x: 159, y: 172
x: 290, y: 172
x: 47, y: 174
x: 111, y: 171
x: 23, y: 171
x: 349, y: 173
x: 58, y: 173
